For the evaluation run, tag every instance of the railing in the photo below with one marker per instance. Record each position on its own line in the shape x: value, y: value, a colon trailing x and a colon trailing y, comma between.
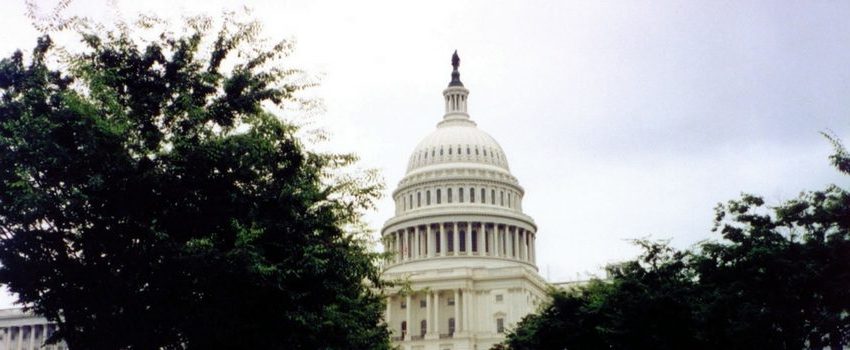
x: 417, y: 337
x: 446, y: 335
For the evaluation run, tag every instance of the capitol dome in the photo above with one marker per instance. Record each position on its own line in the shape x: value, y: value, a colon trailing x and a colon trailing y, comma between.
x: 457, y: 141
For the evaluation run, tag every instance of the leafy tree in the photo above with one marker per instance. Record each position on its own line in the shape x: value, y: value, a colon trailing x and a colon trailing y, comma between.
x: 778, y: 279
x: 150, y: 198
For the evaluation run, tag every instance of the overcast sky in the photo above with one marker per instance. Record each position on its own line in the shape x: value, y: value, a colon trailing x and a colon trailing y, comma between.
x: 621, y: 119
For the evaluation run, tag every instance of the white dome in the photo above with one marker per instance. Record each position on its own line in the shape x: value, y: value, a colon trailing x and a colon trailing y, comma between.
x: 457, y: 141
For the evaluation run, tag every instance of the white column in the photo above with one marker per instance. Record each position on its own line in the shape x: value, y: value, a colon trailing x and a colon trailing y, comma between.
x: 519, y: 233
x: 19, y: 341
x: 443, y: 239
x: 533, y: 248
x: 7, y: 335
x: 466, y: 310
x: 431, y: 248
x: 436, y: 313
x: 456, y: 239
x: 407, y: 318
x: 44, y: 333
x: 457, y: 311
x: 428, y: 308
x: 468, y: 238
x: 417, y: 232
x: 514, y: 244
x: 388, y: 318
x: 32, y: 338
x: 497, y: 240
x: 479, y: 244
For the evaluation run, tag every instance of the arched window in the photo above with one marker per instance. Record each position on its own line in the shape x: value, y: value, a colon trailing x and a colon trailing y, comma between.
x: 493, y: 197
x: 423, y: 327
x: 439, y: 196
x: 451, y: 325
x: 428, y: 197
x: 450, y: 241
x: 502, y: 198
x: 437, y: 241
x: 471, y: 195
x: 403, y: 329
x: 418, y: 199
x: 449, y: 194
x: 441, y: 151
x: 500, y: 325
x: 461, y: 241
x: 483, y: 199
x: 411, y: 201
x: 460, y: 194
x: 509, y: 199
x: 450, y: 150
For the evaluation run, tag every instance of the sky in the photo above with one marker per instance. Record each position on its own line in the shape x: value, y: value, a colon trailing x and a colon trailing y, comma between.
x: 621, y: 119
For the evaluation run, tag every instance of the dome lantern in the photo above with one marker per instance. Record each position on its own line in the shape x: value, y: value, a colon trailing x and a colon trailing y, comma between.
x: 455, y: 95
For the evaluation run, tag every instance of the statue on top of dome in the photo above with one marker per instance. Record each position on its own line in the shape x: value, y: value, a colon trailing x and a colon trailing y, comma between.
x: 455, y: 74
x: 455, y: 60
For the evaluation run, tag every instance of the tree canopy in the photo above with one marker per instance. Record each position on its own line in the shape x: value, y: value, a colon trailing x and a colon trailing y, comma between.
x: 152, y: 197
x: 779, y: 278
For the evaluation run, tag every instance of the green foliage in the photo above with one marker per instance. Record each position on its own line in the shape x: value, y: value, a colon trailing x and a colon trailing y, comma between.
x: 151, y: 199
x: 779, y: 279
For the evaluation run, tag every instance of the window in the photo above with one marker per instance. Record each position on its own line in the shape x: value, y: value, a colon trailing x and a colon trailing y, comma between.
x: 493, y: 197
x: 411, y: 201
x: 467, y: 150
x: 450, y: 151
x: 460, y: 194
x: 485, y: 152
x: 404, y: 200
x: 476, y: 151
x: 451, y: 325
x: 471, y: 195
x: 437, y: 241
x: 428, y: 197
x: 423, y: 327
x: 418, y: 199
x: 450, y: 302
x: 500, y: 325
x: 403, y: 329
x: 423, y: 303
x: 449, y: 194
x: 441, y: 151
x: 483, y: 199
x: 499, y: 298
x: 502, y: 198
x: 450, y: 241
x: 509, y: 199
x: 458, y: 150
x: 439, y: 196
x: 462, y: 238
x: 403, y: 304
x: 474, y: 241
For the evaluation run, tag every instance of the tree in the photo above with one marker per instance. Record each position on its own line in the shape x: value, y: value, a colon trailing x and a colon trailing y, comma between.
x: 778, y: 279
x: 150, y: 198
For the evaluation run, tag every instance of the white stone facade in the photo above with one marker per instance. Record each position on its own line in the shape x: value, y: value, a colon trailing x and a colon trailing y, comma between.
x: 462, y: 244
x: 24, y: 331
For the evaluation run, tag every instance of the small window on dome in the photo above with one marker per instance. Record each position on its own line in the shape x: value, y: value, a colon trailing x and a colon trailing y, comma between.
x: 450, y: 151
x: 433, y: 152
x: 439, y: 197
x: 483, y: 199
x: 458, y: 150
x: 471, y: 195
x: 449, y: 195
x: 502, y: 198
x: 428, y: 197
x: 460, y: 194
x: 441, y: 151
x: 411, y: 201
x: 509, y: 199
x: 476, y: 151
x: 493, y: 197
x: 467, y: 150
x: 485, y: 152
x: 418, y: 199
